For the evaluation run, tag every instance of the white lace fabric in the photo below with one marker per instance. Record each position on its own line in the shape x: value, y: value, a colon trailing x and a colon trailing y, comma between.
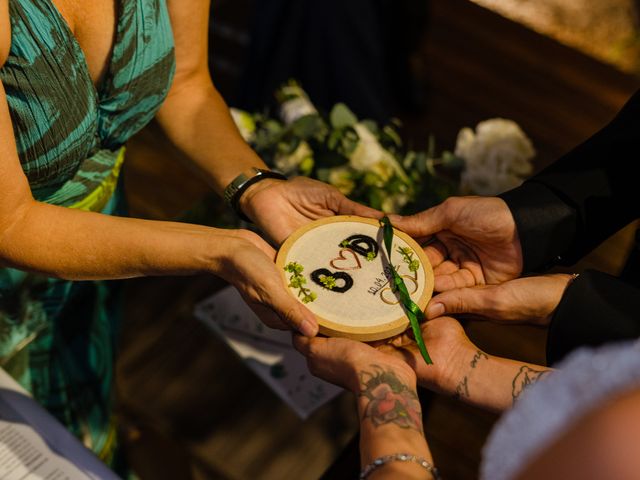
x: 585, y: 380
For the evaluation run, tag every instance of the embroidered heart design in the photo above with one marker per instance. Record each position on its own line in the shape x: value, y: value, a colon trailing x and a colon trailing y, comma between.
x: 389, y: 297
x: 349, y: 262
x: 361, y: 244
x: 318, y: 275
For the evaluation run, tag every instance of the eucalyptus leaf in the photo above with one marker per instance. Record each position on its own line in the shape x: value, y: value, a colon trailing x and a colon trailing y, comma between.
x: 342, y: 117
x: 371, y: 126
x: 330, y: 159
x: 307, y: 127
x: 393, y: 135
x: 452, y: 161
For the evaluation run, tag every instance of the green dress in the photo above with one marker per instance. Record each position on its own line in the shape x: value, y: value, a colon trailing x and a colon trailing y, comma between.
x: 58, y: 337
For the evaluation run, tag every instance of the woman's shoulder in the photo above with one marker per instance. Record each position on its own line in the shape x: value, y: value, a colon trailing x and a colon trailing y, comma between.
x: 5, y: 31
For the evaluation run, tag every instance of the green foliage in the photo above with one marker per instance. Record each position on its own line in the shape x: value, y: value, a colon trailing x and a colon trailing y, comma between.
x: 342, y: 117
x: 379, y: 172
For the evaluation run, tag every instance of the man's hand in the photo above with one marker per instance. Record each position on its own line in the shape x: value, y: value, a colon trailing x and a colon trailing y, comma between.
x: 524, y: 300
x: 473, y: 241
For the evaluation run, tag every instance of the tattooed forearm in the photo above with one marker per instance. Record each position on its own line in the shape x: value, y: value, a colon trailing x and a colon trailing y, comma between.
x: 462, y: 389
x: 476, y: 358
x: 389, y: 400
x: 525, y: 377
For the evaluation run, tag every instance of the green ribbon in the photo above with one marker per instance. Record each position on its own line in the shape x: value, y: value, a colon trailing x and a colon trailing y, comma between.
x: 412, y: 310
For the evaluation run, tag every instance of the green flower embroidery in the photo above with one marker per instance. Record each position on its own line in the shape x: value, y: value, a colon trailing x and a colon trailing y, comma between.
x: 297, y: 280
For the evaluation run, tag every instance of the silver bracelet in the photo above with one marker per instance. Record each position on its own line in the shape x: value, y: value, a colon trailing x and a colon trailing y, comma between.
x: 399, y: 457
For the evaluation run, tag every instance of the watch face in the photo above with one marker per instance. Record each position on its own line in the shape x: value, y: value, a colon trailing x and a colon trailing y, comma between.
x: 340, y: 269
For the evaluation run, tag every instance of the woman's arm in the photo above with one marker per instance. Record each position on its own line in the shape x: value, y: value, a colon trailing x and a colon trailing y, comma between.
x: 390, y: 421
x: 77, y: 245
x: 194, y: 116
x: 197, y: 121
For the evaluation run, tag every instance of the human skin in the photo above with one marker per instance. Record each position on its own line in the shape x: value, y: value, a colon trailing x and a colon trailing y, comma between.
x: 384, y: 380
x: 77, y: 245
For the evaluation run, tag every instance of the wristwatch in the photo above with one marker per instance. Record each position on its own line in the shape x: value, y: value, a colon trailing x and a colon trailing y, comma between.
x: 242, y: 182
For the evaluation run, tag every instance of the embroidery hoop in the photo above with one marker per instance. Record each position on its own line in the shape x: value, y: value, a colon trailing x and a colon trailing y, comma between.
x: 364, y: 331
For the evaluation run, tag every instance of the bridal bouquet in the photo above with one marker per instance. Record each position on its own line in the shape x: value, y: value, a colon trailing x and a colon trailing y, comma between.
x: 369, y: 162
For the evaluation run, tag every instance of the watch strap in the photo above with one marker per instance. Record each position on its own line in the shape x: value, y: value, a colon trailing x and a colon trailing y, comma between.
x: 241, y: 183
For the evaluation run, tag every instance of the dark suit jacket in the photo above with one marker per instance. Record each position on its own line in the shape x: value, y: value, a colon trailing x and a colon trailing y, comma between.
x: 570, y: 208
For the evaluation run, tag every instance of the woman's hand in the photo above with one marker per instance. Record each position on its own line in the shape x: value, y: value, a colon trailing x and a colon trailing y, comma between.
x: 524, y: 300
x: 388, y: 405
x: 279, y: 207
x: 248, y: 266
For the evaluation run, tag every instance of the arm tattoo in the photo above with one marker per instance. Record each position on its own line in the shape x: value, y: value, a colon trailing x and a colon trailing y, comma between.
x: 462, y: 389
x: 476, y: 358
x: 389, y: 400
x: 525, y: 377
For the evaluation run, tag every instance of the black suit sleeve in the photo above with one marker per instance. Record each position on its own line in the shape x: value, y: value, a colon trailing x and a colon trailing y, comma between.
x: 596, y: 308
x: 583, y: 198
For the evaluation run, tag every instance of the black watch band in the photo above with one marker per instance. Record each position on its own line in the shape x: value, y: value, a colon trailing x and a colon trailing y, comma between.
x: 241, y: 183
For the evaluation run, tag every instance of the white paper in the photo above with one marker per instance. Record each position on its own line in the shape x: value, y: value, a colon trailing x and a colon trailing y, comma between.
x: 35, y: 446
x: 266, y: 351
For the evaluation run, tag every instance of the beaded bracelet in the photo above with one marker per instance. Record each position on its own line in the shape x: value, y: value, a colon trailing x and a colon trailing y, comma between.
x: 399, y: 457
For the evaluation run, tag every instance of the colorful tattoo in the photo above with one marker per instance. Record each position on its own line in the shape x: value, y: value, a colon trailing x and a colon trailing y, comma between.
x: 390, y: 400
x: 525, y: 377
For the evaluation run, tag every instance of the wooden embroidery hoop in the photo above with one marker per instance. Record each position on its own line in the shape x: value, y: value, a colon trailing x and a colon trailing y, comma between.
x: 366, y: 333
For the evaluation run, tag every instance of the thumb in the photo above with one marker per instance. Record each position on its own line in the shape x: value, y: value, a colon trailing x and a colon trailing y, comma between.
x: 292, y: 312
x: 421, y: 224
x: 474, y: 300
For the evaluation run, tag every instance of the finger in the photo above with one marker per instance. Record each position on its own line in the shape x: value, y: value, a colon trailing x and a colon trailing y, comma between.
x: 349, y: 207
x: 269, y: 317
x: 477, y: 301
x: 301, y: 343
x: 436, y: 253
x: 292, y: 312
x: 446, y: 268
x: 421, y: 224
x: 462, y: 278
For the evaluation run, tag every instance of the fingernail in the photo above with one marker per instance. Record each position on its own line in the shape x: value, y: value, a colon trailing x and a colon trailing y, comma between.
x: 308, y: 328
x: 435, y: 310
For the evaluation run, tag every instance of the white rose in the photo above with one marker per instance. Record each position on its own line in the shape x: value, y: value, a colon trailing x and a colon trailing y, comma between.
x: 497, y: 156
x: 289, y: 163
x: 341, y: 178
x: 369, y: 156
x: 297, y: 106
x: 244, y: 122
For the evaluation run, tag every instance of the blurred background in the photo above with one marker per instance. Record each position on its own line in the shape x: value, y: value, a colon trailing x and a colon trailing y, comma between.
x: 559, y: 68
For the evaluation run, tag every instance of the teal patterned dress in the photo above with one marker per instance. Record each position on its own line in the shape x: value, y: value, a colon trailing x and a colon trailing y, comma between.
x: 58, y: 337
